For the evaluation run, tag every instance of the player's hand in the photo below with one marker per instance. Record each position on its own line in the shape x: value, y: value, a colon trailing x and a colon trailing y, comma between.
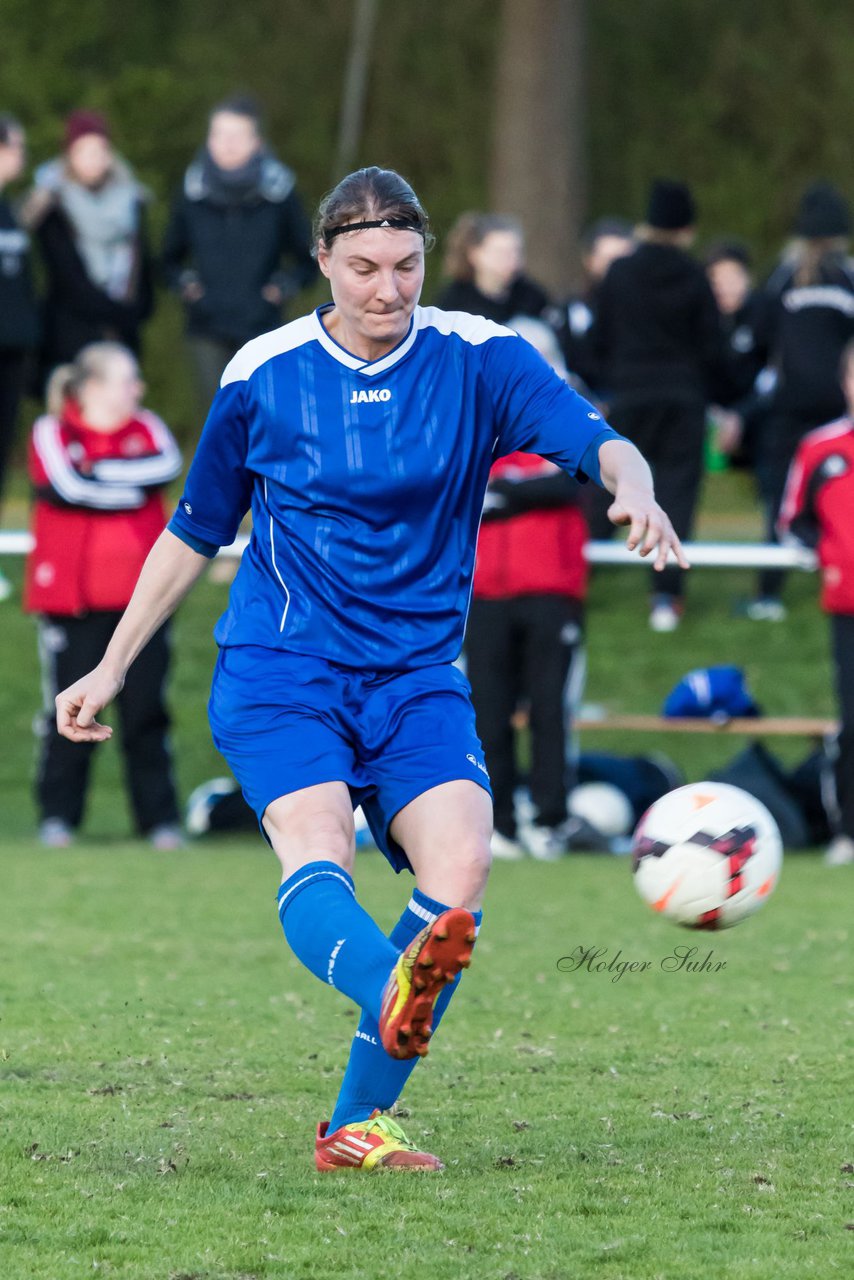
x: 650, y: 528
x: 78, y: 705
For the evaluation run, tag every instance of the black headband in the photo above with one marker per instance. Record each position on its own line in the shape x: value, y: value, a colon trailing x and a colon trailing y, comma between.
x: 394, y: 224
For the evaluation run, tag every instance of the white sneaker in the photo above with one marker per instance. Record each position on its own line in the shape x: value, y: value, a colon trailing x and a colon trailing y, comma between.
x: 166, y: 838
x: 524, y: 809
x: 5, y: 587
x: 545, y: 844
x: 56, y: 834
x: 766, y: 609
x: 504, y: 849
x: 200, y: 802
x: 840, y: 852
x: 665, y: 615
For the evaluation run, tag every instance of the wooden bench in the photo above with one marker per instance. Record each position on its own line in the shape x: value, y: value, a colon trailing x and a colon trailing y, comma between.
x: 755, y: 727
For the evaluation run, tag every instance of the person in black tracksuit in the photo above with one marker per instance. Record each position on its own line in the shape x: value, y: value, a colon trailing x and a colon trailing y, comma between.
x: 806, y: 321
x: 658, y: 335
x: 728, y: 268
x: 18, y: 316
x: 237, y: 216
x: 601, y: 244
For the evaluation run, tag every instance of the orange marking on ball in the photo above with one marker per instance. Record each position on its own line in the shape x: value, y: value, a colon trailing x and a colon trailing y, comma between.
x: 700, y: 802
x: 661, y: 903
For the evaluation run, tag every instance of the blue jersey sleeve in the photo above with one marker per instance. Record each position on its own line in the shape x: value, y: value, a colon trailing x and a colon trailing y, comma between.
x: 536, y: 412
x: 218, y: 488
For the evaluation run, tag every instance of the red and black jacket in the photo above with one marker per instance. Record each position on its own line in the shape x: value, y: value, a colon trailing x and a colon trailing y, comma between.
x: 533, y: 533
x: 817, y: 508
x: 98, y: 509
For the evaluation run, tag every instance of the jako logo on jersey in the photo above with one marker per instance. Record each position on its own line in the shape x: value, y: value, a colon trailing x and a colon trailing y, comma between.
x: 370, y: 397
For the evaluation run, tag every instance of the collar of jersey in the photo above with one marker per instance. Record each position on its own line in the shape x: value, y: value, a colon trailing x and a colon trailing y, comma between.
x: 369, y: 367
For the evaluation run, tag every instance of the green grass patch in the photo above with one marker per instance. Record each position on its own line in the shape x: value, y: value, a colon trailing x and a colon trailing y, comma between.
x: 164, y: 1060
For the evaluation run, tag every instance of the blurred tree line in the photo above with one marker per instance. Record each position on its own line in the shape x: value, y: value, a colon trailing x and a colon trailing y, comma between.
x: 745, y: 101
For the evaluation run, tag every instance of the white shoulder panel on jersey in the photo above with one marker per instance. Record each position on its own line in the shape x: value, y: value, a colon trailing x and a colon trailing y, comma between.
x: 830, y: 431
x: 269, y: 345
x: 472, y: 329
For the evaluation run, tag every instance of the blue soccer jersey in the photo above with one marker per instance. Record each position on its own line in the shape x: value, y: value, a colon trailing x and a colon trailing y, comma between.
x: 366, y: 481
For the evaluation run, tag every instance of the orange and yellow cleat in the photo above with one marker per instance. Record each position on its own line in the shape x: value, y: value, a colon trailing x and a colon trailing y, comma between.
x: 428, y: 964
x: 376, y: 1143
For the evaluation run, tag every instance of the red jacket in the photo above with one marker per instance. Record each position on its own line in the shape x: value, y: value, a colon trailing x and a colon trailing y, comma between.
x: 538, y: 552
x: 818, y: 508
x: 98, y: 509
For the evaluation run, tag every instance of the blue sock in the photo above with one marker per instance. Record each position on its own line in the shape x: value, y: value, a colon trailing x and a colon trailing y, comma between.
x: 333, y: 936
x: 373, y: 1078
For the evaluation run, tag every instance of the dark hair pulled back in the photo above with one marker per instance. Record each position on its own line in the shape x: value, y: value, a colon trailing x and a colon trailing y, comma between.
x: 369, y: 194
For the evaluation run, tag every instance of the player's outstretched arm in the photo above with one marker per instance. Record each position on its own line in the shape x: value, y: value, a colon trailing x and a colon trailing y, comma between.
x: 169, y: 572
x: 626, y: 475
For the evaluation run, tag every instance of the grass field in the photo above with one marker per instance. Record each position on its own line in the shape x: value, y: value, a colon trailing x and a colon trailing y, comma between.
x: 164, y: 1059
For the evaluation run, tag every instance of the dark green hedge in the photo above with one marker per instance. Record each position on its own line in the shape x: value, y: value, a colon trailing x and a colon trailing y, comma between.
x: 747, y: 101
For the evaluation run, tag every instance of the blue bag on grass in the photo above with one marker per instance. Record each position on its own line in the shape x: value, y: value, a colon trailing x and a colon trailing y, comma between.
x: 715, y: 692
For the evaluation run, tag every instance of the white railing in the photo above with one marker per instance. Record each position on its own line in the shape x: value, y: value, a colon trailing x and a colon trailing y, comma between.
x: 713, y: 555
x: 706, y: 555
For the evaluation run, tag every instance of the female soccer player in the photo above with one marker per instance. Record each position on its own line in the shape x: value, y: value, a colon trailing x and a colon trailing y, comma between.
x: 361, y: 437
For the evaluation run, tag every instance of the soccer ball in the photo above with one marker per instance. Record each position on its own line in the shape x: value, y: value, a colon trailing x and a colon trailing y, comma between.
x: 604, y: 806
x: 706, y: 855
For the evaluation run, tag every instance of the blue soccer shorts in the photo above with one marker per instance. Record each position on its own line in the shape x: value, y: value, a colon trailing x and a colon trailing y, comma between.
x: 285, y: 721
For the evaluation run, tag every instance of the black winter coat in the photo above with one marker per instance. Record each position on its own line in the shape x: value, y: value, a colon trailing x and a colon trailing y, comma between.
x: 802, y: 331
x: 232, y: 249
x: 18, y: 316
x: 524, y: 298
x: 76, y: 310
x: 657, y: 331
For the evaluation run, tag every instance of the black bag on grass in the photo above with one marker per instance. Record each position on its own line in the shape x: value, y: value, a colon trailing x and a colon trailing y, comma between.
x: 758, y: 772
x: 813, y: 784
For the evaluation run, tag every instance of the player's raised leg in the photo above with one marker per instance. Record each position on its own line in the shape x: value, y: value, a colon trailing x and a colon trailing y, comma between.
x: 446, y: 834
x: 312, y: 833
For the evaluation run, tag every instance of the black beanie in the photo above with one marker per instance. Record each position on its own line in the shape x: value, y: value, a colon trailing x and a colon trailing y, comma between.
x: 671, y: 206
x: 823, y: 212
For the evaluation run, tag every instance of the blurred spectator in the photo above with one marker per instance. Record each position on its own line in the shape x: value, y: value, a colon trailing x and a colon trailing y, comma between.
x: 816, y: 509
x: 728, y: 267
x: 806, y: 320
x: 98, y: 462
x: 601, y: 244
x: 485, y: 265
x: 524, y: 628
x: 236, y: 217
x: 657, y: 332
x: 88, y: 213
x: 18, y: 329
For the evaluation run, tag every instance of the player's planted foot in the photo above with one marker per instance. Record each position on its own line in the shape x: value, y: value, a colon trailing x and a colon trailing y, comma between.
x: 428, y: 964
x: 375, y: 1143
